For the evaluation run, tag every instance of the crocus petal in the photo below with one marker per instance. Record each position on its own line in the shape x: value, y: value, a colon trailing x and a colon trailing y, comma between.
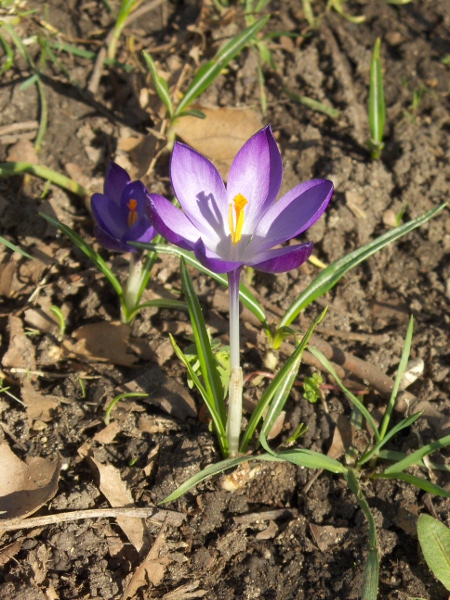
x: 292, y: 214
x: 212, y: 261
x: 171, y: 222
x: 256, y: 173
x: 110, y: 243
x: 115, y: 181
x: 141, y: 231
x: 200, y: 191
x: 108, y: 215
x: 283, y: 259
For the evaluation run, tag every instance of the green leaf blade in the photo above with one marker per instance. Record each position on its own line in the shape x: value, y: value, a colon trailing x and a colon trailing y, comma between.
x: 211, y: 70
x: 330, y: 276
x: 161, y: 87
x: 434, y: 538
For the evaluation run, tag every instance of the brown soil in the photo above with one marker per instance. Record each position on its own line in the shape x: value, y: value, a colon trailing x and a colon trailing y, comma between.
x: 220, y: 551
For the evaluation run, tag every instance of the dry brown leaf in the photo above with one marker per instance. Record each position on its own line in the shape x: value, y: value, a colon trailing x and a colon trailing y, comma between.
x: 25, y: 486
x: 103, y: 342
x: 151, y: 569
x: 108, y: 433
x: 189, y: 590
x: 117, y: 492
x: 269, y: 533
x: 221, y: 135
x: 164, y: 392
x: 342, y: 438
x: 7, y: 270
x: 327, y: 536
x: 21, y: 353
x: 38, y: 406
x: 23, y: 151
x: 9, y: 551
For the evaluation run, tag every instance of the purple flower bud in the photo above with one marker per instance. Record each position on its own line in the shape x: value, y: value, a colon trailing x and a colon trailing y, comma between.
x: 120, y: 213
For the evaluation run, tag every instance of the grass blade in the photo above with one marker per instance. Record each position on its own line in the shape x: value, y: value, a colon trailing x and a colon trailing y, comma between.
x: 418, y: 482
x: 415, y: 457
x: 398, y: 378
x: 211, y: 70
x: 278, y: 392
x: 315, y: 105
x: 208, y: 363
x: 218, y: 423
x: 14, y: 248
x: 212, y: 470
x: 393, y: 432
x: 353, y: 399
x: 372, y: 567
x: 330, y: 276
x: 311, y: 460
x: 161, y: 87
x: 377, y: 108
x: 9, y: 169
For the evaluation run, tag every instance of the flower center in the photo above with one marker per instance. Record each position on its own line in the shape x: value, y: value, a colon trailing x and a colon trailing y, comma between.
x: 133, y: 216
x: 237, y: 224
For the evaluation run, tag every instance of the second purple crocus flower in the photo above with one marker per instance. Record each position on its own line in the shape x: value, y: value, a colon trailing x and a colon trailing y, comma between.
x: 120, y: 213
x: 240, y: 224
x: 121, y: 217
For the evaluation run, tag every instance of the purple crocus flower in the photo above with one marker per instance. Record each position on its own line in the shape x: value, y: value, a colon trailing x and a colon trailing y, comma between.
x: 241, y: 223
x: 120, y: 213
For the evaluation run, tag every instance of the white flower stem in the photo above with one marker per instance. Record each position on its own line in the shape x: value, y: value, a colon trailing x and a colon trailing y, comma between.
x: 236, y: 379
x: 132, y: 288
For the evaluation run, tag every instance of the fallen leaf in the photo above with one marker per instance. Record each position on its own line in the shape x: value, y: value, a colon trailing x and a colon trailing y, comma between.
x: 7, y: 270
x: 24, y: 151
x: 102, y: 342
x: 117, y: 492
x: 327, y: 536
x: 10, y: 551
x: 21, y: 353
x: 221, y: 134
x: 108, y: 433
x: 269, y: 532
x: 164, y: 392
x: 38, y: 406
x: 189, y: 590
x: 151, y: 569
x: 25, y: 486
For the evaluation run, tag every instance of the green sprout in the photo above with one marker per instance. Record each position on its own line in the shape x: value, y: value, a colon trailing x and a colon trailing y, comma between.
x: 114, y: 401
x: 61, y: 320
x: 203, y: 78
x: 377, y: 108
x: 311, y: 387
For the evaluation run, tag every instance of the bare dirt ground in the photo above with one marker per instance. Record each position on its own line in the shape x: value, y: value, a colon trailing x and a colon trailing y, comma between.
x: 280, y: 534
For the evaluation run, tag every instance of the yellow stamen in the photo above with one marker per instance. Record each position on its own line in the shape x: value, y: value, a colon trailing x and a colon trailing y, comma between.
x: 236, y: 226
x: 133, y: 216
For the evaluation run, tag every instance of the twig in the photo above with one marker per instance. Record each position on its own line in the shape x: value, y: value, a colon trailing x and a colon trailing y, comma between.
x: 16, y: 127
x: 152, y: 514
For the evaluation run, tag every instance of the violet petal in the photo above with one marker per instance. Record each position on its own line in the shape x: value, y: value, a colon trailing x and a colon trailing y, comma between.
x: 256, y: 173
x: 116, y: 181
x: 292, y: 214
x: 284, y: 259
x: 172, y: 223
x: 212, y: 261
x: 201, y: 192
